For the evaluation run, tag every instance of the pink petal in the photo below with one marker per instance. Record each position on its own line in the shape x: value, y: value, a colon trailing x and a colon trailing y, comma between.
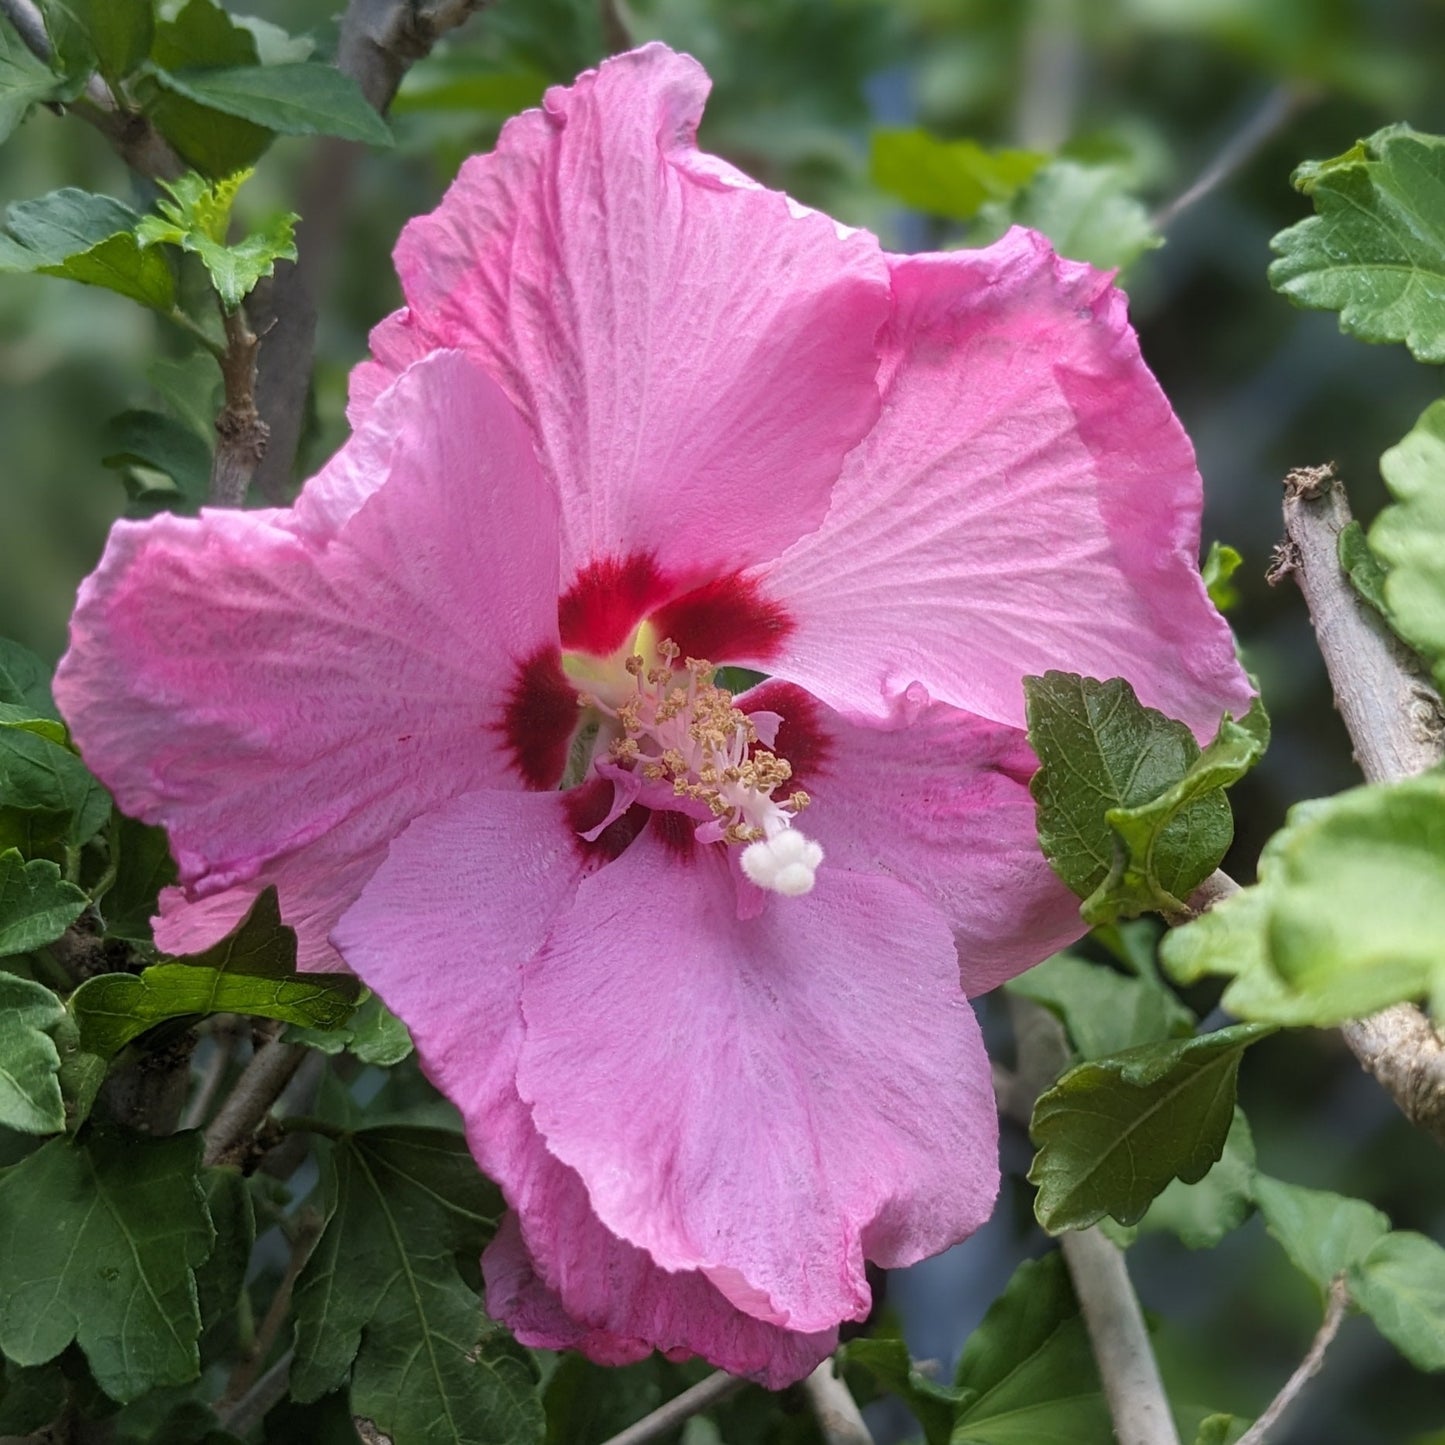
x: 940, y: 800
x: 534, y: 1314
x: 695, y: 353
x: 515, y: 860
x: 284, y: 702
x: 471, y: 888
x: 1027, y: 501
x: 395, y: 342
x: 614, y: 1303
x: 770, y: 1100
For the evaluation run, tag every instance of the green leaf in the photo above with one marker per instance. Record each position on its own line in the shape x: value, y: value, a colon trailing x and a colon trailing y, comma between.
x: 1323, y: 936
x: 259, y: 945
x: 71, y: 49
x: 143, y: 867
x: 1375, y: 252
x: 124, y: 1228
x: 191, y: 389
x: 455, y: 83
x: 1112, y: 1133
x: 1202, y: 1214
x: 947, y: 178
x: 30, y: 1399
x: 1104, y: 1011
x: 24, y: 80
x: 119, y: 31
x: 383, y: 1298
x: 115, y: 1008
x: 29, y: 1090
x: 297, y: 99
x: 886, y: 1359
x: 1400, y: 1284
x: 589, y: 1402
x: 19, y: 716
x: 373, y: 1033
x: 37, y: 775
x: 25, y: 680
x: 152, y: 439
x: 87, y: 238
x: 1030, y: 1367
x: 250, y: 971
x: 1085, y: 210
x: 1150, y: 852
x: 81, y: 1074
x: 1409, y: 537
x: 235, y: 270
x: 202, y: 34
x: 1099, y: 749
x: 1219, y: 566
x: 196, y: 218
x: 1362, y: 566
x: 275, y: 46
x: 1324, y: 1234
x: 215, y: 144
x: 220, y: 1279
x: 64, y: 223
x: 1220, y: 1430
x: 36, y: 904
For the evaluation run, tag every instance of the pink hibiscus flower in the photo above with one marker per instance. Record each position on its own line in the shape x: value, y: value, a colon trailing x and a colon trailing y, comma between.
x: 692, y: 964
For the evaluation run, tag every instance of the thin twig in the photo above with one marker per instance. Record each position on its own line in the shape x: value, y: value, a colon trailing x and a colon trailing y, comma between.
x: 1051, y: 75
x: 1406, y: 1054
x: 1392, y: 713
x: 223, y: 1045
x: 138, y: 143
x: 1137, y: 1403
x: 1397, y: 726
x: 379, y: 41
x: 1337, y: 1304
x: 840, y: 1422
x: 260, y: 1085
x: 681, y: 1408
x: 1217, y: 887
x: 241, y: 435
x: 246, y: 1413
x: 306, y: 1231
x: 1272, y: 114
x: 1133, y: 1388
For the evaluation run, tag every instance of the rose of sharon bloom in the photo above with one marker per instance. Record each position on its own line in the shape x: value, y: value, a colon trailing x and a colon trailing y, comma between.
x: 692, y: 962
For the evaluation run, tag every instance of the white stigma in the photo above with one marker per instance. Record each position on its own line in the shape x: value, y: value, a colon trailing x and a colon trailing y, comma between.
x: 786, y: 863
x: 679, y: 729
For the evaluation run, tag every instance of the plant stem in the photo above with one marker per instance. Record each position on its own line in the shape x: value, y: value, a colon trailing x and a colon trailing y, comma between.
x: 839, y: 1420
x: 260, y: 1085
x: 1397, y: 725
x: 669, y: 1415
x: 138, y: 143
x: 1393, y: 715
x: 222, y: 1043
x: 379, y: 41
x: 247, y: 1412
x: 241, y: 435
x: 1272, y: 114
x: 307, y: 1231
x: 1138, y: 1405
x: 1336, y: 1306
x: 1133, y: 1388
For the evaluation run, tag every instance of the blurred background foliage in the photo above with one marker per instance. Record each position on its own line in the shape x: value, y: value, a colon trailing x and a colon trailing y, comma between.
x: 934, y: 122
